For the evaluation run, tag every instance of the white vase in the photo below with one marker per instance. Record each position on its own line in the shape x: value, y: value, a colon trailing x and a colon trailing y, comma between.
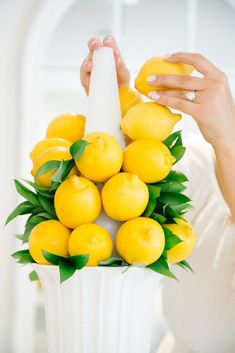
x: 99, y: 309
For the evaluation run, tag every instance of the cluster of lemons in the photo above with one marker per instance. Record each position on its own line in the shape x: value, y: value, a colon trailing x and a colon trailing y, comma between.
x: 106, y: 177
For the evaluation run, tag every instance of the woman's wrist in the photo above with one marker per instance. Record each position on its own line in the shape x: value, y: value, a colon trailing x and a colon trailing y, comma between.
x: 224, y: 146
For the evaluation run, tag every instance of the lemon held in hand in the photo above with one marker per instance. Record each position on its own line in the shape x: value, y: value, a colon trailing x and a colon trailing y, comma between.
x: 140, y: 240
x: 43, y: 145
x: 149, y: 158
x: 102, y: 158
x: 159, y: 66
x: 67, y: 126
x: 52, y: 153
x: 77, y: 201
x: 149, y: 119
x: 185, y: 232
x: 124, y: 196
x: 51, y: 236
x: 128, y: 98
x: 91, y: 239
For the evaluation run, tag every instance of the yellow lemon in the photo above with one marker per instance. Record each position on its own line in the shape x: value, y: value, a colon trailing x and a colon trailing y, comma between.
x: 149, y: 120
x: 102, y: 158
x: 53, y: 153
x: 124, y: 196
x: 159, y: 66
x: 128, y: 98
x: 43, y: 145
x: 91, y: 239
x: 51, y: 236
x: 140, y: 240
x: 67, y: 126
x: 77, y: 201
x: 149, y: 158
x: 186, y: 233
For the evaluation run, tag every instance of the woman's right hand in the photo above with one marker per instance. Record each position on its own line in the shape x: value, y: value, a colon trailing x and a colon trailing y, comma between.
x: 123, y: 74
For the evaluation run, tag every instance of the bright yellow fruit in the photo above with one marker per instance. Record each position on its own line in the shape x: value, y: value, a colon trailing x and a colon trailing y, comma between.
x: 185, y: 232
x: 67, y: 126
x: 50, y: 236
x: 149, y: 158
x: 102, y: 158
x: 77, y: 201
x: 159, y: 66
x: 52, y: 153
x: 149, y: 120
x: 140, y: 240
x: 128, y: 98
x: 91, y: 239
x: 124, y: 196
x: 43, y: 145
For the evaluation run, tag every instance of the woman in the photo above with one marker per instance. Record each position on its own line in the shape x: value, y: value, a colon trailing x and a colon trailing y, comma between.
x: 200, y: 311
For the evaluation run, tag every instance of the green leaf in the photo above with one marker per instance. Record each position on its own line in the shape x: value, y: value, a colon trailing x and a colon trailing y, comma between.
x: 176, y: 176
x: 66, y: 268
x: 47, y: 167
x: 46, y: 215
x: 77, y: 149
x: 154, y: 191
x: 171, y: 186
x: 54, y: 186
x: 185, y: 265
x: 150, y: 207
x: 161, y: 266
x: 26, y: 193
x: 22, y: 209
x: 112, y: 262
x: 33, y: 276
x: 171, y: 239
x: 177, y: 152
x: 79, y: 261
x: 185, y: 207
x: 23, y: 257
x: 63, y: 171
x: 30, y: 224
x: 169, y: 211
x: 158, y: 217
x: 52, y: 258
x: 172, y: 198
x: 40, y: 189
x: 172, y: 138
x: 47, y: 205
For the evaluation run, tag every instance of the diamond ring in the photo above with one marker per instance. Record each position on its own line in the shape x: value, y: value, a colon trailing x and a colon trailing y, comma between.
x: 190, y: 96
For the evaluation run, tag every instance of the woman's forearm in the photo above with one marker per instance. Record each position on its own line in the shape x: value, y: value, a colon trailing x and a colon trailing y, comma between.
x: 225, y: 170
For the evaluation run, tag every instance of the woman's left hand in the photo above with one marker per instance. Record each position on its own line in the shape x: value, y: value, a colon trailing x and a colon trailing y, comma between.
x: 213, y: 107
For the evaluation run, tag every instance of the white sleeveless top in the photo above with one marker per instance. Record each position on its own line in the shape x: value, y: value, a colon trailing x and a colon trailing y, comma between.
x: 200, y: 309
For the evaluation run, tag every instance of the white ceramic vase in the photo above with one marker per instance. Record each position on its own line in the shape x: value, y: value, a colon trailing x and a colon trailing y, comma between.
x: 99, y: 309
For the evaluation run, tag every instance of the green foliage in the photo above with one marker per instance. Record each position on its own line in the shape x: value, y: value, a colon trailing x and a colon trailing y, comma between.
x: 161, y: 266
x: 112, y: 262
x: 23, y: 257
x: 77, y: 149
x: 33, y: 276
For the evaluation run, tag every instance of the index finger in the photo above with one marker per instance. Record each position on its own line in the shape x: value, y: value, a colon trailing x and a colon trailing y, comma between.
x: 199, y: 62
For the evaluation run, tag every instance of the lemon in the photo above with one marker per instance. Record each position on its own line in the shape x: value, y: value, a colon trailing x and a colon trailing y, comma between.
x: 140, y: 240
x: 186, y: 233
x: 52, y: 153
x: 149, y: 120
x: 67, y: 126
x: 149, y: 158
x: 124, y: 196
x: 102, y: 158
x: 128, y: 98
x: 158, y: 66
x: 91, y: 239
x: 51, y: 236
x: 77, y: 201
x: 42, y: 145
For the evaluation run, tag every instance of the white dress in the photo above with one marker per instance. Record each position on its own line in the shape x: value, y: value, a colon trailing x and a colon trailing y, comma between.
x: 200, y: 309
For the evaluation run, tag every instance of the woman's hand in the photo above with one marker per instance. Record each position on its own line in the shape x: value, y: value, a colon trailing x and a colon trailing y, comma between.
x: 123, y: 74
x: 213, y: 108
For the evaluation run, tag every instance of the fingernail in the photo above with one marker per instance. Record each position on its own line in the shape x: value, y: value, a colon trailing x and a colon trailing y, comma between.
x: 154, y: 95
x: 166, y: 56
x: 107, y: 40
x: 151, y: 78
x: 94, y: 42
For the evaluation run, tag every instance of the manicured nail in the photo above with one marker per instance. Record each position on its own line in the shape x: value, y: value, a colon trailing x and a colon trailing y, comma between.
x: 151, y: 78
x: 107, y: 40
x: 94, y: 42
x: 154, y: 95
